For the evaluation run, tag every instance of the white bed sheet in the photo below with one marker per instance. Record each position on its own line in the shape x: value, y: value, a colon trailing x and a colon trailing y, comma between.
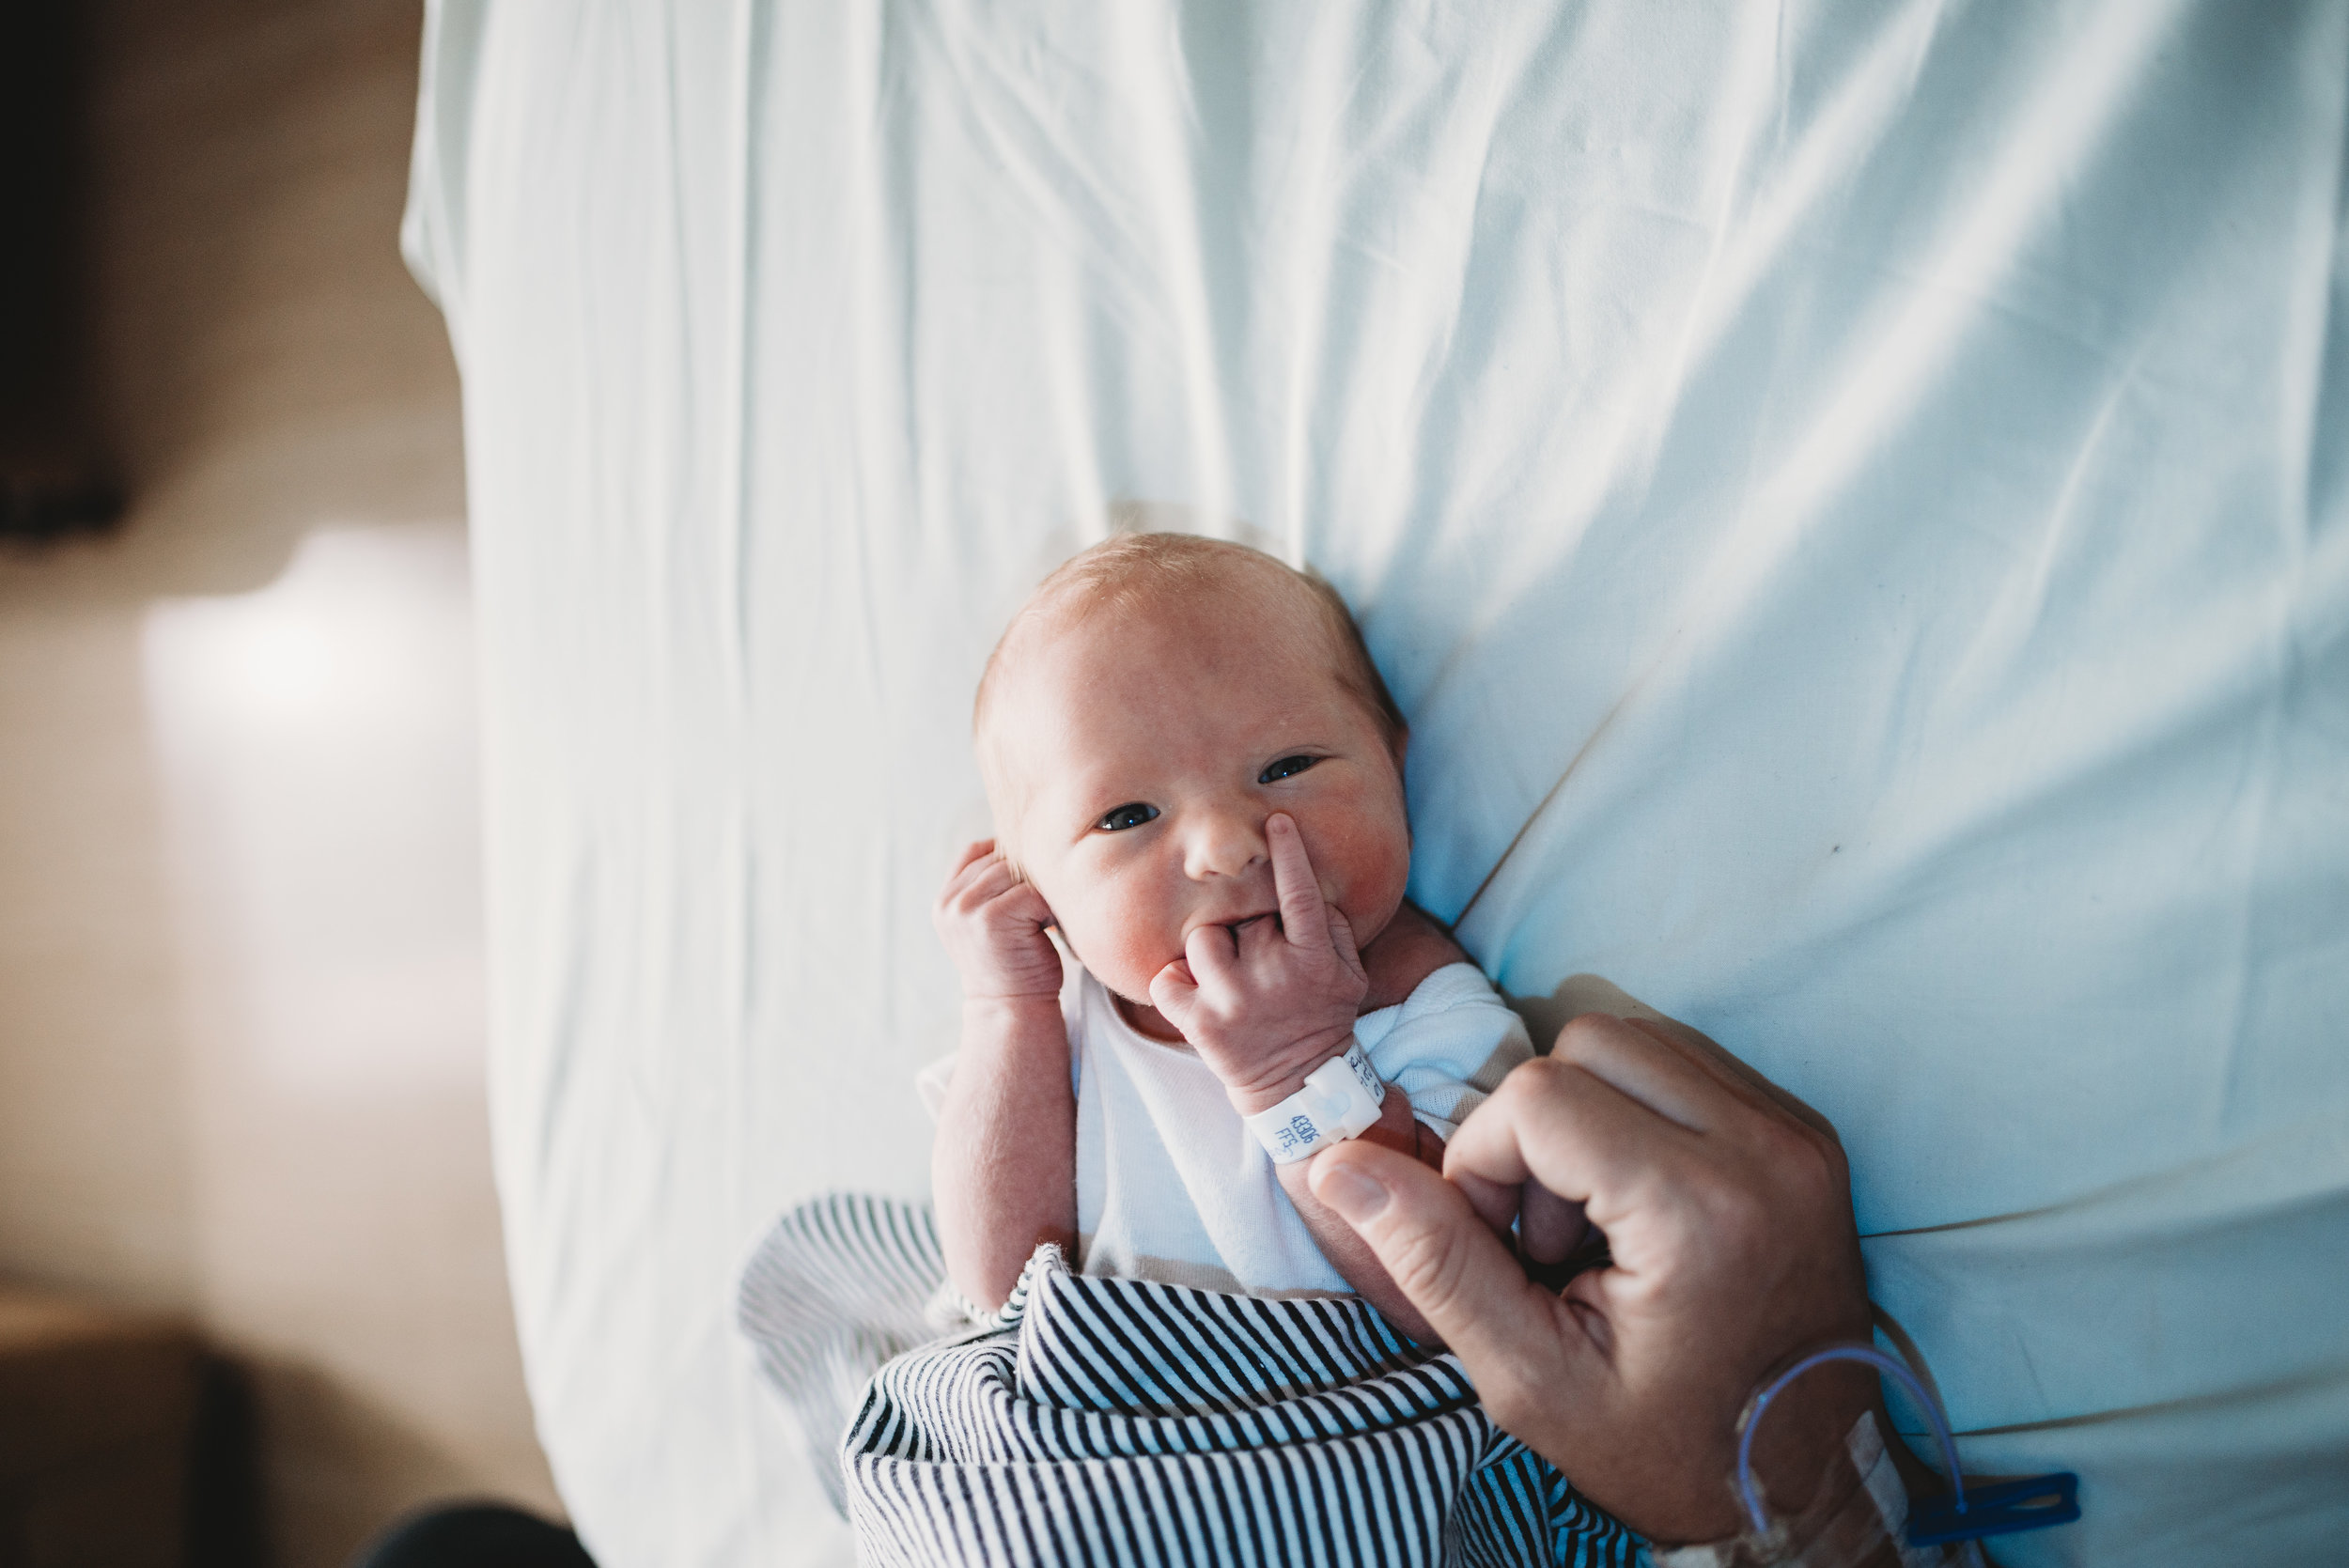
x: 1852, y: 500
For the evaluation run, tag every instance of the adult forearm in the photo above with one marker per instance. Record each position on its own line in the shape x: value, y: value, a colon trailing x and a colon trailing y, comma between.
x: 1004, y: 1164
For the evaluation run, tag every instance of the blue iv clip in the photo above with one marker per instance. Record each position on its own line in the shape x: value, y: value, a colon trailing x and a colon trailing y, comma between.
x: 2034, y: 1502
x: 2031, y: 1503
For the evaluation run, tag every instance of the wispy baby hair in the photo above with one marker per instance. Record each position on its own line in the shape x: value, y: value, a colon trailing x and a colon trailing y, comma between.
x: 1133, y: 571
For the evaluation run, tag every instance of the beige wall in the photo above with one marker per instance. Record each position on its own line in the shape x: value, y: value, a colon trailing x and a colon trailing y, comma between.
x: 241, y: 1068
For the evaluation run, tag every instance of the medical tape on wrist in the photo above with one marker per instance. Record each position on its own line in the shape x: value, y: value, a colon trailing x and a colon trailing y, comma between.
x: 1863, y: 1510
x: 1858, y: 1511
x: 1340, y: 1100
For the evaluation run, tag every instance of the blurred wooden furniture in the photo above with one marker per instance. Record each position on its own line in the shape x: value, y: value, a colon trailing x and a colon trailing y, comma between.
x: 52, y: 474
x: 96, y: 1412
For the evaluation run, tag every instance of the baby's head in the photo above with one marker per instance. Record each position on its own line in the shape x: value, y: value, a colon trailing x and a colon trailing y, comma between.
x: 1154, y: 702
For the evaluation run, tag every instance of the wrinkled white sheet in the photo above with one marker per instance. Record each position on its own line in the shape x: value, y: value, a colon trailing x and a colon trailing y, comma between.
x: 1854, y: 502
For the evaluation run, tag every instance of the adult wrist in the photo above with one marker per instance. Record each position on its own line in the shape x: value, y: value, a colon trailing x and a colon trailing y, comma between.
x: 1855, y: 1518
x: 1857, y: 1514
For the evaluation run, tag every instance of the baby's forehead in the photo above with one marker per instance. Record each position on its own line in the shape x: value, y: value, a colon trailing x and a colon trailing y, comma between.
x: 1061, y: 639
x: 1236, y: 607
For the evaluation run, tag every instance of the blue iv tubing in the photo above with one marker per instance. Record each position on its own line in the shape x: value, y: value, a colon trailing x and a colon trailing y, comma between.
x: 1875, y: 1357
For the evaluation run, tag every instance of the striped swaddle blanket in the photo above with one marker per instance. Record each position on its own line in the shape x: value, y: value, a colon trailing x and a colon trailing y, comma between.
x: 1124, y: 1421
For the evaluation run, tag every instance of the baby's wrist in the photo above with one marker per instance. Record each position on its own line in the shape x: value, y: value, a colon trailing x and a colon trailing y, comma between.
x: 1283, y: 1073
x: 992, y: 984
x: 1019, y: 1013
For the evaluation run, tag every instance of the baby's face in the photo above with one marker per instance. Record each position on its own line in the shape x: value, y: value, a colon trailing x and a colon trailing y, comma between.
x: 1139, y: 754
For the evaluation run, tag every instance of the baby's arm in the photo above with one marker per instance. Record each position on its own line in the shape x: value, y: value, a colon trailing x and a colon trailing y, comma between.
x: 1411, y: 948
x: 1264, y: 1007
x: 1004, y: 1167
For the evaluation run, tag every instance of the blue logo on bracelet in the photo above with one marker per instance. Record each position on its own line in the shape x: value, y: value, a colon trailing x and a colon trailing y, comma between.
x: 1300, y: 1133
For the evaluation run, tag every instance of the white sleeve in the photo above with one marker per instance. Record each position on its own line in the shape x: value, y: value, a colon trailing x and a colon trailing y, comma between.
x: 1448, y: 1045
x: 931, y: 1081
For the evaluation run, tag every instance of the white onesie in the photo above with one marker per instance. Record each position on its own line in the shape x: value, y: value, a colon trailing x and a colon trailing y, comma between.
x: 1171, y: 1187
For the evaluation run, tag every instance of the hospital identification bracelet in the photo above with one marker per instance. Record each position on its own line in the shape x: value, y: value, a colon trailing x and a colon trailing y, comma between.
x: 1340, y: 1100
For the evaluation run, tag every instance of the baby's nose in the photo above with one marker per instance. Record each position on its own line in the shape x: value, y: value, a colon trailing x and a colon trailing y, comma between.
x: 1225, y: 842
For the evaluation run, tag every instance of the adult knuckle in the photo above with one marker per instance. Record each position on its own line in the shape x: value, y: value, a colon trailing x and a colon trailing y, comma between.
x: 1533, y: 1079
x: 1717, y: 1218
x: 1581, y: 1037
x: 1807, y: 1168
x: 1737, y: 1209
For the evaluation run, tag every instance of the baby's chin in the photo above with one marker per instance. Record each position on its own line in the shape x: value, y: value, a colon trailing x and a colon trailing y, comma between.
x: 1129, y: 982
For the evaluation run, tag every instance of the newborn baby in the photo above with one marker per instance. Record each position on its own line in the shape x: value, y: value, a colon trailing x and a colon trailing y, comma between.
x: 1196, y: 776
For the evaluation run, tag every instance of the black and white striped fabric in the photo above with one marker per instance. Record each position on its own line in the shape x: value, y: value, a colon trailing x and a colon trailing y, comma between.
x: 841, y: 1284
x: 1124, y: 1422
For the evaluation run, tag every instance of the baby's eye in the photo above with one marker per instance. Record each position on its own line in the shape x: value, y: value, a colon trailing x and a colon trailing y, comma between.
x: 1285, y: 768
x: 1133, y: 814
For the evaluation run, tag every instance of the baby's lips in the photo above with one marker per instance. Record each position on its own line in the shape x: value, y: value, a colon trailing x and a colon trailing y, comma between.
x: 1235, y: 920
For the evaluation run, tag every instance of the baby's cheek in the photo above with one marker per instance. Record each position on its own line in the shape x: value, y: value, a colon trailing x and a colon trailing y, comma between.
x: 1362, y: 862
x: 1116, y: 940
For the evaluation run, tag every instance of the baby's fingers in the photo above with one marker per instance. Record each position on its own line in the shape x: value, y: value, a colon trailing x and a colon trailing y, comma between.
x: 1342, y: 938
x: 1018, y: 900
x: 1174, y: 993
x: 977, y: 849
x: 1211, y: 956
x: 1304, y: 918
x: 980, y: 876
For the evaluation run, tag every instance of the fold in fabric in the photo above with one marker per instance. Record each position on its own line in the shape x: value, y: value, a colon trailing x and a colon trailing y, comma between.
x: 1131, y: 1422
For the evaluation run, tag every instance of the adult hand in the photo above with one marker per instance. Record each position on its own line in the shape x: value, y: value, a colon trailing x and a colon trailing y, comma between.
x: 1727, y: 1208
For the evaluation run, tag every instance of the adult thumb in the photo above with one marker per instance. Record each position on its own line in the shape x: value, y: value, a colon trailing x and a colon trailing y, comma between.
x: 1436, y: 1250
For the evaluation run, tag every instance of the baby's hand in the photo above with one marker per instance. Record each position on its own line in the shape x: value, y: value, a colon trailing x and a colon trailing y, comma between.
x: 993, y: 921
x: 1265, y: 1003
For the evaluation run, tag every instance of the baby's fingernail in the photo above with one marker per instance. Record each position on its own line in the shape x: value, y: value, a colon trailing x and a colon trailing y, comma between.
x: 1357, y: 1195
